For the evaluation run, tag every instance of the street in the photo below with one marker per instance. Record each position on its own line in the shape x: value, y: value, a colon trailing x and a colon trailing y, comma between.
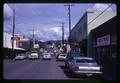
x: 36, y: 69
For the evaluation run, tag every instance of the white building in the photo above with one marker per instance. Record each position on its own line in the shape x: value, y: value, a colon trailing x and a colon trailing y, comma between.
x: 7, y: 41
x: 90, y: 20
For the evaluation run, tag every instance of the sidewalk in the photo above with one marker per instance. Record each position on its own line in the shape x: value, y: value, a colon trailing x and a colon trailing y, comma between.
x: 110, y: 71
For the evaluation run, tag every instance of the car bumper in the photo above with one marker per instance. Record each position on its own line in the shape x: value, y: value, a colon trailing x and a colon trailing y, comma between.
x: 87, y: 72
x: 61, y: 59
x: 46, y: 58
x: 33, y: 57
x: 18, y: 59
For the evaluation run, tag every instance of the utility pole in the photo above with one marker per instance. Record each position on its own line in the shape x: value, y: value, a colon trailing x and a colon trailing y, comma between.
x: 69, y: 14
x: 62, y: 32
x: 13, y: 33
x: 33, y: 38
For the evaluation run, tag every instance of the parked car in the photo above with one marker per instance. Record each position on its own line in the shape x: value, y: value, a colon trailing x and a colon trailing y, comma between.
x: 20, y: 56
x: 62, y: 57
x: 70, y: 57
x: 27, y: 54
x: 33, y: 55
x: 84, y: 66
x: 51, y: 53
x: 46, y: 56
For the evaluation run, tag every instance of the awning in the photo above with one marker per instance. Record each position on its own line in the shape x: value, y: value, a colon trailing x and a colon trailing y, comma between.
x: 16, y: 48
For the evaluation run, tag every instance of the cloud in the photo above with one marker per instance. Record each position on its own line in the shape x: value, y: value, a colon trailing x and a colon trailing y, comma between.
x: 7, y: 12
x: 34, y: 13
x: 52, y: 33
x: 57, y: 30
x: 101, y: 7
x: 42, y: 18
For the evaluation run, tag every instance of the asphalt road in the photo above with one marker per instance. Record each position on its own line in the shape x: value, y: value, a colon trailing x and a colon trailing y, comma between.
x: 36, y: 69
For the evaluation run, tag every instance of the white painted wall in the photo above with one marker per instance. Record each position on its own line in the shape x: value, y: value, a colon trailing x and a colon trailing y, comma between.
x: 81, y: 32
x: 98, y: 21
x: 7, y: 40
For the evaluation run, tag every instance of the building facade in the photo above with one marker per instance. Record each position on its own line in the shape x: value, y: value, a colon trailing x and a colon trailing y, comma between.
x: 104, y: 47
x: 104, y: 42
x: 24, y: 43
x: 7, y: 45
x: 80, y: 32
x: 7, y: 40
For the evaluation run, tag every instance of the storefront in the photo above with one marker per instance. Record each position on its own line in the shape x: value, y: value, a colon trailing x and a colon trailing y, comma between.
x: 83, y: 47
x: 104, y: 41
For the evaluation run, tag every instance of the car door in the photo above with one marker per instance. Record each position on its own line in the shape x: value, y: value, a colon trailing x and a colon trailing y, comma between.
x: 70, y: 61
x: 71, y: 64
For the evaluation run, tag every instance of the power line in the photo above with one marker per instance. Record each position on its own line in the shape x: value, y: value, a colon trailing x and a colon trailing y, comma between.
x: 100, y: 14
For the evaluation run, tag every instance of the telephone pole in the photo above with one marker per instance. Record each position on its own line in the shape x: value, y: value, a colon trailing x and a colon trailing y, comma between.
x: 62, y: 32
x: 13, y: 33
x: 69, y: 14
x: 33, y: 38
x: 62, y: 38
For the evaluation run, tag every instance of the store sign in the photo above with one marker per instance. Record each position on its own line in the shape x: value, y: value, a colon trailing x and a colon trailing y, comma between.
x: 102, y: 41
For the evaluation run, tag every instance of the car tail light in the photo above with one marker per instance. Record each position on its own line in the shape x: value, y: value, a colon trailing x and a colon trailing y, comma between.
x: 76, y: 68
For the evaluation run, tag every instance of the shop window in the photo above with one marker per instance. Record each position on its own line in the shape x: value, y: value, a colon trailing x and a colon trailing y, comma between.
x: 113, y: 39
x: 85, y: 28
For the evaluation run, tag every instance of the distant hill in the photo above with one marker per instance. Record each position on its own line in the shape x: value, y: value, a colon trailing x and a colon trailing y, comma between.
x: 56, y: 42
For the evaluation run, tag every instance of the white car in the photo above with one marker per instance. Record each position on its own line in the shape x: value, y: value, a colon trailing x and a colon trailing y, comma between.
x: 33, y: 55
x: 20, y: 56
x: 47, y: 56
x: 84, y: 66
x: 62, y: 57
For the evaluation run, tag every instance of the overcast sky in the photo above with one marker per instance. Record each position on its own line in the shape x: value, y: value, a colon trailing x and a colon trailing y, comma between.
x: 45, y: 19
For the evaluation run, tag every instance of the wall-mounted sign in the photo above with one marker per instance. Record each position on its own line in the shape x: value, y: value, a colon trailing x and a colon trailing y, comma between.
x: 104, y: 40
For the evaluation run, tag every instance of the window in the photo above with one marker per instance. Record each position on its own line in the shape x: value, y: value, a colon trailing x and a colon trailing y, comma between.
x: 84, y: 61
x: 113, y: 39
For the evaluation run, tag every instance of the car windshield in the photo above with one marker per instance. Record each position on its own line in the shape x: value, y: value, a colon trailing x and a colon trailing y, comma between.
x: 84, y: 61
x: 20, y: 55
x: 62, y: 55
x: 33, y: 52
x: 46, y: 54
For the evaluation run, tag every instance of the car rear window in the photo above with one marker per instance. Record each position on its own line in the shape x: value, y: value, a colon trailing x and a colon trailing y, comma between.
x: 33, y: 52
x: 84, y: 61
x: 62, y: 55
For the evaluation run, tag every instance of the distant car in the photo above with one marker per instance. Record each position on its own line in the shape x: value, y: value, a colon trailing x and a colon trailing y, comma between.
x: 47, y: 56
x: 33, y: 55
x: 20, y: 56
x: 51, y: 53
x: 84, y: 66
x: 62, y: 57
x: 27, y: 54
